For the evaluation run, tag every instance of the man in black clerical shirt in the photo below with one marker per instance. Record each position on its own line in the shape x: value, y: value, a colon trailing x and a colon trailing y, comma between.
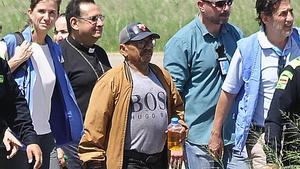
x: 84, y: 61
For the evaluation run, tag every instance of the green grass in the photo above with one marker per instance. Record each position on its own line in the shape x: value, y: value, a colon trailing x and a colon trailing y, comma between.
x: 162, y: 16
x: 290, y: 138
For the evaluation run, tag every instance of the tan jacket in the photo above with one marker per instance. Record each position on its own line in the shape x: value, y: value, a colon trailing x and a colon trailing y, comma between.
x: 106, y: 117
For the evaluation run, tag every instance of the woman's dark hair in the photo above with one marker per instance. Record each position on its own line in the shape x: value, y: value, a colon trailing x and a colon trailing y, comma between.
x: 33, y: 3
x: 73, y: 10
x: 266, y: 7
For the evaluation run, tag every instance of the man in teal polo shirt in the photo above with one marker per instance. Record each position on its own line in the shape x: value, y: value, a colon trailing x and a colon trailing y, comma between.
x: 197, y: 57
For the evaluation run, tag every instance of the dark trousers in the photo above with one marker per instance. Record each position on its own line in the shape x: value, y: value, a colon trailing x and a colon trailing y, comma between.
x: 135, y: 160
x: 15, y: 162
x: 73, y: 162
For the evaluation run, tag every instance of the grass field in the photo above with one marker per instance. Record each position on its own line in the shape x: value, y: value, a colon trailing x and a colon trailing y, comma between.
x: 162, y: 16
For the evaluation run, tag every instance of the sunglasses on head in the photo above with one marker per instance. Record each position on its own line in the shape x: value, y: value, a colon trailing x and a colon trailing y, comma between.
x: 219, y: 4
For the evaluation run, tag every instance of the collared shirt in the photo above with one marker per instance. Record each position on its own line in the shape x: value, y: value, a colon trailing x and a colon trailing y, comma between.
x: 269, y: 65
x: 191, y: 58
x: 83, y: 66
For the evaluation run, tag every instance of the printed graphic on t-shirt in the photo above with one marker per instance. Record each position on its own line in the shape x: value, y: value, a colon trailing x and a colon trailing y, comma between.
x: 148, y: 118
x: 149, y: 104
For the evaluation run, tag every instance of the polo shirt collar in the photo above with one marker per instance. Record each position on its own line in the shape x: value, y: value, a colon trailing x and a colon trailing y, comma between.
x: 205, y: 32
x: 266, y: 44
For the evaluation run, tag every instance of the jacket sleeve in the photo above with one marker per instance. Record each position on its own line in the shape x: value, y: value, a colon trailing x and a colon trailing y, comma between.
x: 18, y: 117
x: 282, y: 103
x: 96, y: 125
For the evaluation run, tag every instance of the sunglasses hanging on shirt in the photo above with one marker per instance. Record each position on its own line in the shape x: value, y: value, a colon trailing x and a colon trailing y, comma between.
x: 281, y: 64
x: 222, y: 60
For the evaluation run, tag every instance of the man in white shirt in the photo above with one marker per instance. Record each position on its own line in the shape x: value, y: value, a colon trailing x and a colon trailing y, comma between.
x: 252, y: 78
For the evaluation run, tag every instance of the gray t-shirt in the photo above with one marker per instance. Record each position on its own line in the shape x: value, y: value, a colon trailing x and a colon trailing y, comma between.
x: 148, y: 117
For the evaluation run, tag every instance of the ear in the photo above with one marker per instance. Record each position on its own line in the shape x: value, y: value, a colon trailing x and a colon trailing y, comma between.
x: 57, y: 15
x: 123, y: 50
x: 200, y: 5
x: 74, y: 23
x: 265, y: 18
x: 29, y: 12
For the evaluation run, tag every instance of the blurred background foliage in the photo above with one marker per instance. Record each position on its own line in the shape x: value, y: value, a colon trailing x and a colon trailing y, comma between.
x: 162, y: 16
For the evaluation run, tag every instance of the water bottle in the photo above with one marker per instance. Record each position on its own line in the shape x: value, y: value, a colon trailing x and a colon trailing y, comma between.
x: 174, y: 135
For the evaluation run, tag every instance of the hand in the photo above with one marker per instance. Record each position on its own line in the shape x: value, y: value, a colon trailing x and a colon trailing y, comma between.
x: 184, y: 129
x: 23, y: 52
x: 176, y: 159
x: 216, y: 146
x: 183, y: 135
x: 11, y: 143
x: 61, y: 157
x: 34, y: 150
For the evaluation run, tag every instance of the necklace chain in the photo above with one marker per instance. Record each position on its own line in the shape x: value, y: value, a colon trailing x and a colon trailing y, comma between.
x: 89, y: 63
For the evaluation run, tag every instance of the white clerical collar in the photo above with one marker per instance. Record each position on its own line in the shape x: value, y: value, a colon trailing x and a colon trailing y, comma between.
x: 91, y: 50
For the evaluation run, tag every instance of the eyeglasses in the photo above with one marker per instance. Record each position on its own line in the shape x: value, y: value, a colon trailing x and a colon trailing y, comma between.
x: 141, y: 44
x: 219, y: 4
x: 93, y: 19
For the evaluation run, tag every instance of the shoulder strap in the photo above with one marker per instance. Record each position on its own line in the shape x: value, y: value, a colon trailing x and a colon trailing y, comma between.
x: 296, y: 36
x: 19, y: 38
x: 13, y: 40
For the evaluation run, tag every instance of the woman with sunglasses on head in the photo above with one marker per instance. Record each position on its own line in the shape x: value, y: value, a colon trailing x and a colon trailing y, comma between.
x: 38, y: 71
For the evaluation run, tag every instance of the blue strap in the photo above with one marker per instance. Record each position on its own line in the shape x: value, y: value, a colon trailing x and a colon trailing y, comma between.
x: 296, y: 36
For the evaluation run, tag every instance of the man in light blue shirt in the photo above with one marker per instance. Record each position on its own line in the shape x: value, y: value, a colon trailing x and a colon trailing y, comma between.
x: 253, y: 73
x: 197, y: 57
